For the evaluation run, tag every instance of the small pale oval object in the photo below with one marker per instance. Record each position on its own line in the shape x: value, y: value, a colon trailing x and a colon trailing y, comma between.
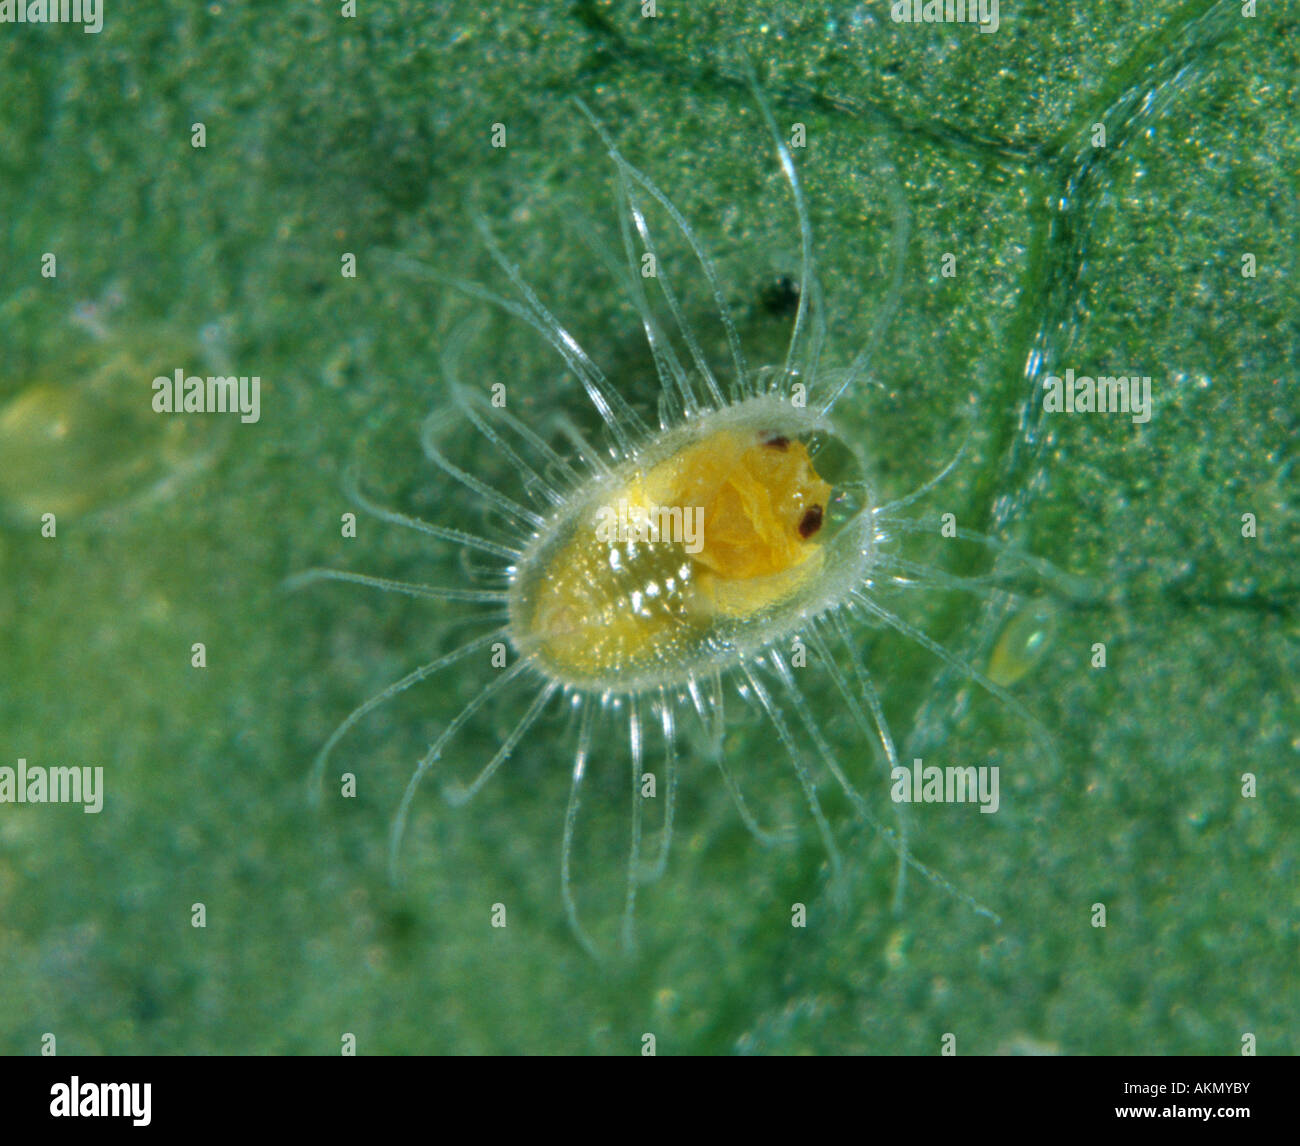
x: 82, y: 437
x: 1023, y: 644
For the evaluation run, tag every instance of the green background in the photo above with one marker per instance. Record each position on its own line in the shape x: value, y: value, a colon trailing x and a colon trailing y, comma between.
x: 371, y: 135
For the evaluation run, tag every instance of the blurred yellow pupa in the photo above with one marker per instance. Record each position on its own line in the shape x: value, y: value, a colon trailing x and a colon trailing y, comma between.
x: 652, y: 571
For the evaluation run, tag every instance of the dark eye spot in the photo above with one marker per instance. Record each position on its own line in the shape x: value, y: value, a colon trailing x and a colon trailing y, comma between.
x: 774, y: 441
x: 811, y: 521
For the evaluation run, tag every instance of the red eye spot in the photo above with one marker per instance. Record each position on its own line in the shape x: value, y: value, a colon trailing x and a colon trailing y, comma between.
x: 811, y: 522
x: 775, y: 441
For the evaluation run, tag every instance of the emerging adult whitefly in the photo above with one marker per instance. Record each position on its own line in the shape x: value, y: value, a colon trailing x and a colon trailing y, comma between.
x: 645, y: 573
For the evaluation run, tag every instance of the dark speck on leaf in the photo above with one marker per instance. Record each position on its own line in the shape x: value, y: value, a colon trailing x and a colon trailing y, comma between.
x: 780, y: 297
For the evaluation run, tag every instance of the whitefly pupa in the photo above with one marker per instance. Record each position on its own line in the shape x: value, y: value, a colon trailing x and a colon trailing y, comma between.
x: 77, y: 445
x: 644, y: 573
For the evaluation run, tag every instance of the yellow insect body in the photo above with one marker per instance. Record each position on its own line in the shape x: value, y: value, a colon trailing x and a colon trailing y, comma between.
x: 734, y: 510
